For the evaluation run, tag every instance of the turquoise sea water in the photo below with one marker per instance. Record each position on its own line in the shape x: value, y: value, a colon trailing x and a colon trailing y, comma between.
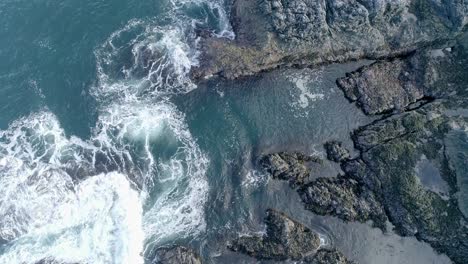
x: 107, y: 149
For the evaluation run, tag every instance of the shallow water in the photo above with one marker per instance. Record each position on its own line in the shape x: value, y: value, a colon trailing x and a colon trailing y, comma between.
x: 108, y: 149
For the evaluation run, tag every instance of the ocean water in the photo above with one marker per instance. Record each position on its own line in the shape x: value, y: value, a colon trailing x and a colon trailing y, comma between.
x: 108, y: 149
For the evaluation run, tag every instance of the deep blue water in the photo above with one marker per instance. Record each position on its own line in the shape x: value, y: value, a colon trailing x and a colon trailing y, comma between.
x: 47, y: 54
x: 107, y: 149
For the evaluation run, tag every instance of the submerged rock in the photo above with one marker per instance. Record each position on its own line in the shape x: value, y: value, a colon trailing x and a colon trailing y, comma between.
x: 285, y: 238
x: 175, y: 255
x: 272, y: 33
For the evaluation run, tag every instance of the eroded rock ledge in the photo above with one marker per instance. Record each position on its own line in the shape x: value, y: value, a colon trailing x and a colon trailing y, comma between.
x: 272, y: 33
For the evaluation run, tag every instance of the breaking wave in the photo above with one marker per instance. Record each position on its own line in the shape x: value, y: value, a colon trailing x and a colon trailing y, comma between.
x: 140, y: 179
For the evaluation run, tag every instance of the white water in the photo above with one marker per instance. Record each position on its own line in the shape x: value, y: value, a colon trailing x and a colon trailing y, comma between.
x: 78, y: 200
x: 308, y: 83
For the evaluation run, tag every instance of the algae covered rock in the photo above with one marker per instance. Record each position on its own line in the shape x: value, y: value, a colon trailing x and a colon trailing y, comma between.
x: 285, y: 238
x: 344, y: 198
x: 390, y: 150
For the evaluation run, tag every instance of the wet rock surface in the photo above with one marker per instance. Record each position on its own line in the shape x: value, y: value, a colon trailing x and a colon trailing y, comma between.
x: 272, y: 33
x: 174, y: 255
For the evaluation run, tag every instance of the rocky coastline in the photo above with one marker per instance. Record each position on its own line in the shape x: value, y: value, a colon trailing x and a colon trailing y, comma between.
x: 275, y: 33
x: 414, y: 87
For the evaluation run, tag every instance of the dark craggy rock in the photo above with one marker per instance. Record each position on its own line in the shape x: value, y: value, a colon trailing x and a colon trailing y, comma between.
x: 341, y: 197
x: 344, y: 198
x: 385, y: 86
x: 289, y: 166
x: 394, y: 85
x: 327, y: 256
x: 174, y: 255
x: 390, y: 150
x: 272, y: 33
x: 335, y: 151
x: 391, y: 147
x: 382, y: 183
x: 285, y: 238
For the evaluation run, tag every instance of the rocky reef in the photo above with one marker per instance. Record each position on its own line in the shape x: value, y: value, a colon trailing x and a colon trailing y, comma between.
x: 285, y: 239
x: 418, y: 99
x: 390, y: 150
x: 272, y: 33
x: 338, y: 196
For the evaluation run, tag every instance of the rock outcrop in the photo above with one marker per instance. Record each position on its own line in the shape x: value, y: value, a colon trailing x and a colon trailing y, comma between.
x: 292, y: 167
x: 272, y: 33
x: 174, y: 255
x: 390, y: 150
x: 344, y: 198
x: 405, y: 83
x: 285, y: 238
x: 335, y: 151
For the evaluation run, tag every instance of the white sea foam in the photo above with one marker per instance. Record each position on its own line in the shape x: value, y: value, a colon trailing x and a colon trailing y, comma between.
x: 308, y: 83
x: 96, y: 221
x: 82, y: 200
x: 161, y: 63
x: 254, y: 179
x: 46, y: 210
